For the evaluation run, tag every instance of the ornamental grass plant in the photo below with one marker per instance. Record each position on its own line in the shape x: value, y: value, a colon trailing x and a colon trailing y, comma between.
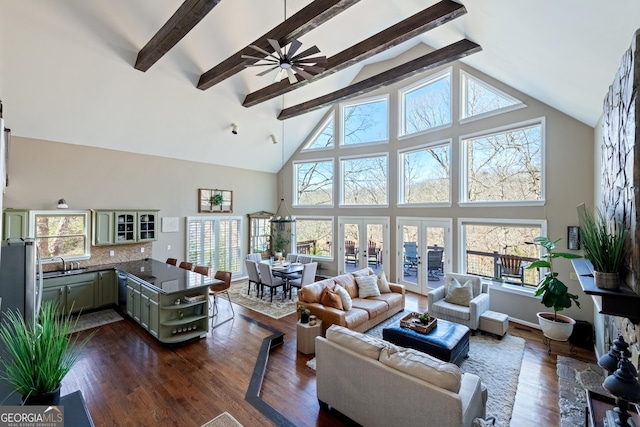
x: 39, y: 355
x: 603, y: 242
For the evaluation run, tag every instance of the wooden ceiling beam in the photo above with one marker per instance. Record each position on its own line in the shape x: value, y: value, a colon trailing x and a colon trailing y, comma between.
x: 431, y: 17
x: 308, y: 18
x: 188, y: 15
x: 426, y: 62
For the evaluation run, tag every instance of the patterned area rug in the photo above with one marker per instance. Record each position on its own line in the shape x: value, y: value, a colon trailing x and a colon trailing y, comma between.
x: 278, y: 308
x: 496, y: 362
x: 96, y: 319
x: 223, y: 420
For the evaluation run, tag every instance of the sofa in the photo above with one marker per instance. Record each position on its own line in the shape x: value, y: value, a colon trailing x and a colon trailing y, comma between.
x: 376, y: 383
x: 364, y: 312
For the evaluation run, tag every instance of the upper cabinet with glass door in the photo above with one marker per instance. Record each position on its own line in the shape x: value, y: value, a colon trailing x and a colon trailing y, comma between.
x: 122, y: 227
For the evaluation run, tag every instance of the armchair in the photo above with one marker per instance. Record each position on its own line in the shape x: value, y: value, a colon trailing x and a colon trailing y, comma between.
x: 468, y: 316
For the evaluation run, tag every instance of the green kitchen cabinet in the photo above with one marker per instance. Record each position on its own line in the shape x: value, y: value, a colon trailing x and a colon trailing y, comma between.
x: 125, y: 227
x: 133, y: 299
x: 73, y: 293
x: 107, y: 292
x: 149, y: 310
x: 16, y: 224
x: 56, y: 294
x: 147, y: 226
x: 102, y: 226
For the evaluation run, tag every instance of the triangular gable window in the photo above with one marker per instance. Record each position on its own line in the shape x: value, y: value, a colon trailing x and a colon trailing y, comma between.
x: 324, y: 137
x: 481, y: 99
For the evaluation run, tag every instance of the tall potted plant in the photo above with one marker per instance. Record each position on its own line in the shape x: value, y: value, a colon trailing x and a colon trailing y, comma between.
x: 39, y: 355
x: 604, y: 245
x: 555, y: 294
x: 280, y: 242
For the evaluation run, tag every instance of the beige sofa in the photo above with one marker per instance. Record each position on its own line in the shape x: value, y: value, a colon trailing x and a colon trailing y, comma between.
x: 365, y: 313
x: 376, y: 383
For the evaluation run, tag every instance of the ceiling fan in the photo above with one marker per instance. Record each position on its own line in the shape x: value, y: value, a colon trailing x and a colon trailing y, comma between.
x: 286, y: 61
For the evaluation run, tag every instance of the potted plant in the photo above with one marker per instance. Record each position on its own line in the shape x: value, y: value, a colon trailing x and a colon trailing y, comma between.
x: 39, y: 356
x: 280, y: 242
x: 304, y: 313
x: 425, y: 318
x: 603, y: 243
x: 555, y: 294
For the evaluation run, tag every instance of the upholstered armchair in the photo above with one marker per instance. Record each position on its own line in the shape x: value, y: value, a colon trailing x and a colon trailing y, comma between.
x: 468, y: 316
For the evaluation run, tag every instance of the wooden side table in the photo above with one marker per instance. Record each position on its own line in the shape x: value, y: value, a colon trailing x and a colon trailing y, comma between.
x: 306, y: 336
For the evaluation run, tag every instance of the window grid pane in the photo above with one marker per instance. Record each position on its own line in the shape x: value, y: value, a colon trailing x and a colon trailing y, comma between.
x: 62, y: 235
x: 314, y: 183
x: 365, y: 123
x: 427, y: 106
x: 314, y: 236
x: 426, y: 177
x: 365, y: 181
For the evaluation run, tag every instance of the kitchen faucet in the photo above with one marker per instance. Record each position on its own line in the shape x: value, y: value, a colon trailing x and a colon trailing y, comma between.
x: 64, y: 268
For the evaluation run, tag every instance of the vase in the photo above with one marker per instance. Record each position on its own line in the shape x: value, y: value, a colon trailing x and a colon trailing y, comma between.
x: 304, y: 317
x: 559, y: 330
x: 606, y: 280
x: 50, y: 398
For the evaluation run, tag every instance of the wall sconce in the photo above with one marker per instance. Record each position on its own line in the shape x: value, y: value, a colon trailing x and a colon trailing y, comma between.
x: 234, y: 128
x: 273, y: 139
x: 62, y: 204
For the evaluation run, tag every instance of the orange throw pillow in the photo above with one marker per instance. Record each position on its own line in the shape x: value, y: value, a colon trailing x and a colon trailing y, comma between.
x: 331, y: 299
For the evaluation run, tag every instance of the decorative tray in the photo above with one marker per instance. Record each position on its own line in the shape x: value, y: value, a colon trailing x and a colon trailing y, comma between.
x: 411, y: 321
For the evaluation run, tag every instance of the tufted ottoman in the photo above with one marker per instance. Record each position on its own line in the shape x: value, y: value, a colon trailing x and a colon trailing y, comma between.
x: 448, y: 341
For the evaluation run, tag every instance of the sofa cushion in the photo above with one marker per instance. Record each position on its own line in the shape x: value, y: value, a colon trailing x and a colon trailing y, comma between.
x: 331, y: 299
x: 355, y: 317
x: 452, y: 310
x: 420, y: 365
x: 367, y: 286
x: 393, y: 299
x: 383, y: 284
x: 313, y: 292
x: 347, y: 302
x: 360, y: 343
x: 459, y: 294
x: 373, y: 306
x: 348, y: 282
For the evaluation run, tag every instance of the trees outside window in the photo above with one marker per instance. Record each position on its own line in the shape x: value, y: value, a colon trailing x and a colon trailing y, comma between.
x: 425, y: 173
x: 426, y: 105
x: 481, y: 99
x: 365, y: 122
x: 324, y: 138
x: 504, y: 166
x: 364, y: 180
x: 314, y: 236
x: 64, y: 235
x: 314, y: 183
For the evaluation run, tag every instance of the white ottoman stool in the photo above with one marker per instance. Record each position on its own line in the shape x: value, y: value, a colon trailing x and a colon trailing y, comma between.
x: 494, y: 323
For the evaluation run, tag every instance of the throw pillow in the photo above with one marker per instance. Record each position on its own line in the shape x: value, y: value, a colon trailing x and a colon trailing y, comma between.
x: 367, y: 286
x: 459, y: 294
x: 347, y: 302
x: 331, y: 299
x: 383, y: 284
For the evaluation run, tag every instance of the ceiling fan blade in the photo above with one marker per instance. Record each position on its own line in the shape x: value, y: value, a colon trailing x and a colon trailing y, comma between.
x: 278, y: 75
x: 259, y: 58
x: 292, y: 76
x: 312, y: 69
x: 261, y: 50
x: 274, y: 44
x: 293, y: 47
x: 311, y: 51
x: 264, y: 73
x: 303, y: 73
x: 314, y: 60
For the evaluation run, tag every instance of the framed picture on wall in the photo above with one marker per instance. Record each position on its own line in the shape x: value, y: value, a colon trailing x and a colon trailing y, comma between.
x: 215, y: 201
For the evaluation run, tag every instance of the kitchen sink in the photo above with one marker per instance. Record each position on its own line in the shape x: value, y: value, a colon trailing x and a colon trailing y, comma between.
x: 59, y: 273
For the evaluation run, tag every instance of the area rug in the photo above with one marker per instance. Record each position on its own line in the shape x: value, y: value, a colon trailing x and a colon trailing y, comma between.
x: 574, y: 378
x: 277, y: 309
x: 223, y: 420
x: 96, y: 319
x: 496, y: 362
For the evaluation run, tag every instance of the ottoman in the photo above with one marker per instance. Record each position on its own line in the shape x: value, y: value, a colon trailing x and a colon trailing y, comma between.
x: 494, y: 323
x: 448, y: 341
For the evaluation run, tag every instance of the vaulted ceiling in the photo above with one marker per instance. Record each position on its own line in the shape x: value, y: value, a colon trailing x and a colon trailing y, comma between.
x: 67, y: 67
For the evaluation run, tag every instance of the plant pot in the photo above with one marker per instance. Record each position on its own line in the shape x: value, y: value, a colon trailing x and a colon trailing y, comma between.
x: 606, y: 280
x: 556, y: 330
x: 50, y: 398
x: 278, y: 255
x: 304, y: 317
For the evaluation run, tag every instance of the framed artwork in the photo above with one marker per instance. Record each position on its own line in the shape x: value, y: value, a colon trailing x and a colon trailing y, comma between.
x: 215, y: 201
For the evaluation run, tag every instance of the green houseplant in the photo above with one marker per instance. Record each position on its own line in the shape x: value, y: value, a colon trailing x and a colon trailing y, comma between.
x: 280, y: 242
x: 604, y: 245
x: 304, y: 313
x: 555, y: 294
x: 39, y: 355
x: 216, y: 200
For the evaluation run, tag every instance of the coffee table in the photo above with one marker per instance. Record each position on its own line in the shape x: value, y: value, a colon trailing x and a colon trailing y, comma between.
x: 448, y: 341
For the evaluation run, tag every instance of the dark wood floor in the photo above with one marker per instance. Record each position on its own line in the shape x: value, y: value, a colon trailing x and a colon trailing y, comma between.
x: 129, y: 379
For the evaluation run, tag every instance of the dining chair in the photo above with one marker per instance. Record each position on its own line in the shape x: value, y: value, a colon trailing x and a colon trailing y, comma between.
x: 267, y: 279
x: 292, y: 258
x: 215, y: 290
x: 255, y: 257
x: 186, y: 265
x: 254, y: 275
x: 305, y: 259
x: 172, y: 261
x: 205, y: 271
x: 308, y: 277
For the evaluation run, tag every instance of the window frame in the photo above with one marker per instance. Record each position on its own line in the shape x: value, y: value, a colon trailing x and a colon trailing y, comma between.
x: 463, y: 118
x: 317, y: 218
x: 294, y: 174
x: 463, y: 200
x: 461, y: 250
x: 319, y: 129
x: 400, y: 174
x: 415, y: 86
x: 240, y: 272
x: 59, y: 213
x: 341, y: 195
x: 362, y: 101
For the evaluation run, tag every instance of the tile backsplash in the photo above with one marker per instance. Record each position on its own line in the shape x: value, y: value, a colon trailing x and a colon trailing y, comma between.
x: 101, y: 255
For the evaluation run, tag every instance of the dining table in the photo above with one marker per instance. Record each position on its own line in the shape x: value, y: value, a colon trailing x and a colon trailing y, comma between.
x: 286, y: 271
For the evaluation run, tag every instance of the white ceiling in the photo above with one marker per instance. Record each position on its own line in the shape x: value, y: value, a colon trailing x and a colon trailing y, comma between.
x: 66, y: 68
